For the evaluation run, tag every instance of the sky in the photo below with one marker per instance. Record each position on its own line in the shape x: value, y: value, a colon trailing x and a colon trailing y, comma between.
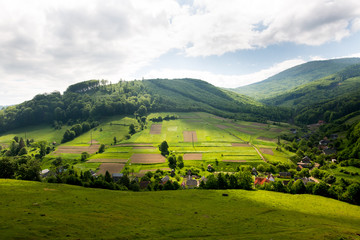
x: 49, y: 45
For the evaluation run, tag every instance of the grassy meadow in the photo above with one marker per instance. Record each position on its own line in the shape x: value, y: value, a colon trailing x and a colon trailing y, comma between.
x: 34, y: 210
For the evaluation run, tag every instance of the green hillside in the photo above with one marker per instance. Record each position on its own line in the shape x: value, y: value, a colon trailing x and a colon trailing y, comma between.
x: 94, y: 100
x: 33, y: 210
x: 295, y: 77
x: 327, y: 98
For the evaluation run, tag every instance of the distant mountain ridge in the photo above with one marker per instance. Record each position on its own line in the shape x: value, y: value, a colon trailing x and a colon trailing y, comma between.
x: 294, y: 77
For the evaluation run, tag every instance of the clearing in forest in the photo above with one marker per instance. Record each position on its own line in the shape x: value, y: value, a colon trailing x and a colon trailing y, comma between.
x: 155, y: 129
x: 78, y: 149
x: 147, y: 158
x: 110, y: 167
x: 190, y: 136
x: 192, y: 156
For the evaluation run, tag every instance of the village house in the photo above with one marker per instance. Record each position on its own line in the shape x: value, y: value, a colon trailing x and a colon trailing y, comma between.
x: 261, y: 180
x: 192, y: 183
x: 164, y: 180
x: 254, y: 171
x: 284, y: 175
x: 117, y: 176
x: 305, y: 162
x: 271, y: 178
x: 44, y: 173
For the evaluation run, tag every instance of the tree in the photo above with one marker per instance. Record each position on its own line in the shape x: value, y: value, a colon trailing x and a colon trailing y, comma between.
x: 245, y: 180
x: 21, y: 143
x: 352, y: 193
x: 222, y: 183
x: 7, y: 168
x: 42, y: 146
x: 29, y: 171
x: 102, y: 148
x: 298, y: 187
x: 321, y: 189
x: 84, y: 156
x: 132, y: 129
x: 23, y: 151
x: 180, y: 161
x: 211, y: 183
x: 115, y: 141
x: 164, y: 148
x: 142, y: 111
x: 172, y: 161
x: 108, y: 177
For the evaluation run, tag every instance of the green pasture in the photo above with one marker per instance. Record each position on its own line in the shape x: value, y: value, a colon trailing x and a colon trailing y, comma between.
x: 38, y: 133
x: 34, y: 210
x: 117, y: 126
x: 336, y: 172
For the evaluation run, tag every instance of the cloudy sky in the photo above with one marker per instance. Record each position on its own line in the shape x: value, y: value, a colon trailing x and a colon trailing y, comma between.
x: 48, y: 45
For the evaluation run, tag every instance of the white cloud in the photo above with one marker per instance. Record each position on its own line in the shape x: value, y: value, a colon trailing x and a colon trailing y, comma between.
x: 221, y: 80
x: 59, y: 42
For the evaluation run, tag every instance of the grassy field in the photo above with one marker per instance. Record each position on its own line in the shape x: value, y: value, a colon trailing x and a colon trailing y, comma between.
x: 39, y: 132
x: 33, y: 210
x: 215, y: 138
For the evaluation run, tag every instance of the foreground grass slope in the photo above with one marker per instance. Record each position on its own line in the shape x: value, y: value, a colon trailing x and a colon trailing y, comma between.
x: 33, y: 210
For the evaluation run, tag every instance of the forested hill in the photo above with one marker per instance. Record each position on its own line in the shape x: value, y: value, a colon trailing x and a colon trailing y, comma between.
x: 294, y: 77
x: 327, y: 98
x: 94, y: 99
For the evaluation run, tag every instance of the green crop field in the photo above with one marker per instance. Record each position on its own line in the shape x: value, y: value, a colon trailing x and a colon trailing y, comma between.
x: 33, y: 210
x: 213, y: 137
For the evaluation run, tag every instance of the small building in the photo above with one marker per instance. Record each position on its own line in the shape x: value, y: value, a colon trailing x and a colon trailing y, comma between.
x: 203, y: 179
x: 164, y: 179
x: 306, y: 159
x: 284, y: 175
x: 210, y: 168
x: 192, y: 183
x: 44, y: 173
x: 260, y: 181
x: 324, y: 142
x: 271, y: 178
x: 254, y: 171
x: 117, y: 176
x: 293, y: 130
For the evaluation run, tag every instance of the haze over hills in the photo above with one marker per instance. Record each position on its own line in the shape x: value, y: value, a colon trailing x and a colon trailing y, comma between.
x: 295, y: 76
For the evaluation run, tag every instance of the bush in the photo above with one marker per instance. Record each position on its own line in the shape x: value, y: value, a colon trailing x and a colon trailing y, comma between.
x: 102, y: 148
